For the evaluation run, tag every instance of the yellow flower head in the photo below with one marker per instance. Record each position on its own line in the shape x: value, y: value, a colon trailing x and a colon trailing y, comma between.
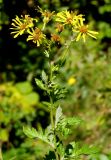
x: 83, y: 31
x: 55, y: 38
x: 36, y: 36
x: 29, y: 21
x: 59, y: 27
x: 47, y: 15
x: 67, y: 17
x: 20, y: 25
x: 71, y: 81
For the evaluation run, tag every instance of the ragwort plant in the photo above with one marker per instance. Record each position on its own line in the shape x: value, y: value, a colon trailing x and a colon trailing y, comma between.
x: 60, y: 125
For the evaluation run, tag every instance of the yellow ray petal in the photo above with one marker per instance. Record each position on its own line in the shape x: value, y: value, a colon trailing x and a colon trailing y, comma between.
x: 93, y: 32
x: 91, y: 35
x: 84, y: 37
x: 78, y: 37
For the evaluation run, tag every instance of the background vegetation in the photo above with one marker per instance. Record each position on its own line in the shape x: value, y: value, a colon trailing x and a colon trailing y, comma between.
x: 89, y: 96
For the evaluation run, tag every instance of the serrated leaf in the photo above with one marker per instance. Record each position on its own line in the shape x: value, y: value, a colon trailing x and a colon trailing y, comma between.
x: 47, y: 104
x: 30, y: 132
x: 88, y: 150
x: 44, y: 77
x: 33, y: 133
x: 58, y: 115
x: 77, y: 150
x: 65, y: 124
x: 55, y: 68
x: 73, y: 121
x: 40, y: 84
x: 46, y: 54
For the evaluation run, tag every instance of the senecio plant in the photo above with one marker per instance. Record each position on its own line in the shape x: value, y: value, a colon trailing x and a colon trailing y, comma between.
x: 60, y: 125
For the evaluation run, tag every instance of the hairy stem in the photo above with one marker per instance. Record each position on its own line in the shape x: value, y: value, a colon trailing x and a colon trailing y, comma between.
x: 53, y: 127
x: 52, y: 115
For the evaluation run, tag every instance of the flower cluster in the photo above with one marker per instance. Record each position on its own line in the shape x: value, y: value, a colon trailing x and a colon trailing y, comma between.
x: 67, y: 17
x: 77, y: 23
x: 64, y: 18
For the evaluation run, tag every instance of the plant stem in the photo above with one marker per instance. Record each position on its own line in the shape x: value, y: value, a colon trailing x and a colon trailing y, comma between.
x: 51, y: 100
x: 43, y: 26
x: 52, y: 124
x: 57, y: 157
x: 1, y: 158
x: 52, y: 116
x: 50, y: 65
x: 51, y: 113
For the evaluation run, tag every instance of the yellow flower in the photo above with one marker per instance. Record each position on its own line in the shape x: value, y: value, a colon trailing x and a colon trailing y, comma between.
x: 20, y: 25
x: 36, y: 36
x: 47, y: 15
x: 59, y: 27
x: 67, y: 17
x: 29, y: 21
x: 83, y: 31
x: 71, y: 81
x: 55, y: 38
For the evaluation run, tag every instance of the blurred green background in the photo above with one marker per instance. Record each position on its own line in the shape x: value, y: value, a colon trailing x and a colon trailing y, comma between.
x: 88, y: 97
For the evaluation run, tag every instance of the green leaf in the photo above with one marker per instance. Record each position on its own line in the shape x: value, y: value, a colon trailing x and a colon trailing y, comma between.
x: 46, y: 53
x: 76, y: 150
x: 64, y: 125
x: 47, y: 104
x: 44, y: 77
x: 60, y: 149
x: 30, y: 132
x: 24, y: 87
x: 58, y: 115
x: 103, y: 157
x: 55, y: 68
x: 4, y: 135
x: 40, y: 84
x: 33, y: 133
x: 87, y: 150
x: 73, y: 121
x: 31, y: 98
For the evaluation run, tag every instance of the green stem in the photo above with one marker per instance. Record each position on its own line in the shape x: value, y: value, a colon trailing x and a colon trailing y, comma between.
x: 57, y: 157
x: 53, y: 127
x: 44, y: 24
x: 50, y: 71
x: 51, y: 114
x: 51, y: 100
x: 66, y: 50
x: 1, y: 158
